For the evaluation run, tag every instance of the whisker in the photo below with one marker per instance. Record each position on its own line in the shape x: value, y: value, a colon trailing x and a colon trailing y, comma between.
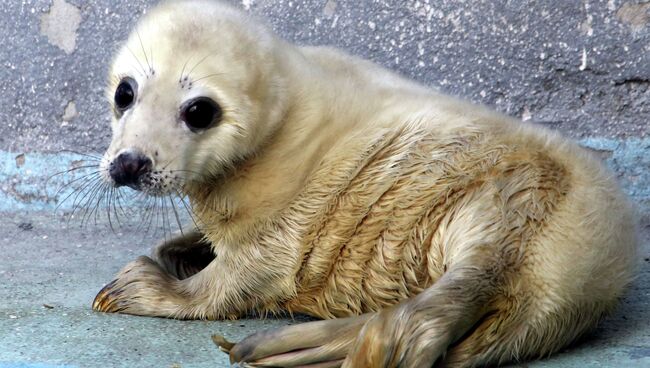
x: 116, y: 205
x: 92, y: 185
x: 145, y: 214
x: 88, y: 200
x: 98, y: 157
x: 186, y: 171
x: 152, y: 213
x: 169, y: 163
x: 180, y: 79
x: 113, y: 203
x: 178, y: 220
x: 84, y: 190
x: 135, y: 67
x: 71, y: 170
x: 84, y: 177
x: 187, y: 208
x: 137, y: 60
x: 207, y: 76
x: 119, y: 203
x: 95, y: 209
x: 165, y: 212
x: 157, y: 213
x: 199, y: 63
x: 108, y: 210
x: 100, y: 200
x: 78, y: 191
x: 153, y: 67
x: 85, y: 201
x: 143, y: 52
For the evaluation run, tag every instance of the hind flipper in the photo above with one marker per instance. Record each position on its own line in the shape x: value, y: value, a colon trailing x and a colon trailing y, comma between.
x: 312, y: 344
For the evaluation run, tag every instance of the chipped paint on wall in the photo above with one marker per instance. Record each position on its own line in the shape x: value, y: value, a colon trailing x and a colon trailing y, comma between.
x: 60, y: 25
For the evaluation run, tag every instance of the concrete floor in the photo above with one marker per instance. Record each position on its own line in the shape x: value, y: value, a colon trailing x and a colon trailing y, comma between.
x: 50, y: 272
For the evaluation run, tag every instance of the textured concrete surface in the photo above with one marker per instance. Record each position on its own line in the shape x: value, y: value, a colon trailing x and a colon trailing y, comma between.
x: 51, y: 270
x: 49, y: 275
x: 580, y: 66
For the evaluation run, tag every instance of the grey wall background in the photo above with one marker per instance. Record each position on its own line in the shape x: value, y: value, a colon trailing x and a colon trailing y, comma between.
x: 580, y: 66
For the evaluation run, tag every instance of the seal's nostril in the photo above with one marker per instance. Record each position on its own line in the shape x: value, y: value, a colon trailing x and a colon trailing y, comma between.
x: 128, y: 167
x: 145, y: 165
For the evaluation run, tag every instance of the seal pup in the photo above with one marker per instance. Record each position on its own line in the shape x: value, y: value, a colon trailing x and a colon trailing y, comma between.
x: 424, y: 230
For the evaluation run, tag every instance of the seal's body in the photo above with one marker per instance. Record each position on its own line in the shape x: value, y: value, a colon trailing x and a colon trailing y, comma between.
x: 324, y: 184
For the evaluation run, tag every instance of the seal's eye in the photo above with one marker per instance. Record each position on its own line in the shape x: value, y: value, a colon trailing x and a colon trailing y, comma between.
x: 200, y: 113
x: 125, y: 94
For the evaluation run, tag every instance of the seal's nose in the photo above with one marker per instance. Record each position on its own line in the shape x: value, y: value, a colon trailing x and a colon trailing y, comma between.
x: 128, y: 167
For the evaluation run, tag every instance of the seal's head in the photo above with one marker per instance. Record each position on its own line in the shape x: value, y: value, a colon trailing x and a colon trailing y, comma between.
x: 193, y: 92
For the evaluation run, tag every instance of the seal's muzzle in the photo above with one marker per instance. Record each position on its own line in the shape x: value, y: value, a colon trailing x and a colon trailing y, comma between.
x: 128, y: 168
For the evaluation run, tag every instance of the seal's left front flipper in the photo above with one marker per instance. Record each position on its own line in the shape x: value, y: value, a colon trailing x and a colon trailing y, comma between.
x: 140, y: 288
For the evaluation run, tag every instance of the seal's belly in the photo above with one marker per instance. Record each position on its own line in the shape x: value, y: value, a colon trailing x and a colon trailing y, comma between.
x: 370, y: 239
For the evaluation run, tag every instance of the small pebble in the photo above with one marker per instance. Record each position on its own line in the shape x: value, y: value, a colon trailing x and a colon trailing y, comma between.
x: 26, y: 226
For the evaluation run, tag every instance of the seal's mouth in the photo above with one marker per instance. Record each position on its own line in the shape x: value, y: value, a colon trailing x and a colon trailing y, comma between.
x: 134, y: 186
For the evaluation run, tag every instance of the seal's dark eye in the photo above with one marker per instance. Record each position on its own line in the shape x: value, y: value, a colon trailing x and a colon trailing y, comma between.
x: 200, y: 113
x: 125, y: 94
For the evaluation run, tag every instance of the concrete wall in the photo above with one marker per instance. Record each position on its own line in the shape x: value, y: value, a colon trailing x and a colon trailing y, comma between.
x: 582, y: 67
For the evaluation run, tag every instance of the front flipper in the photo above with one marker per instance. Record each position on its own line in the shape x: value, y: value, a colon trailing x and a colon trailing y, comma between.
x: 184, y: 255
x: 142, y: 287
x: 145, y: 287
x: 317, y: 344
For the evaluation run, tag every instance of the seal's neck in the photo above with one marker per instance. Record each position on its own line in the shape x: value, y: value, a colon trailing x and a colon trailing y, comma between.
x: 263, y: 184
